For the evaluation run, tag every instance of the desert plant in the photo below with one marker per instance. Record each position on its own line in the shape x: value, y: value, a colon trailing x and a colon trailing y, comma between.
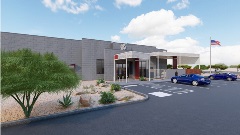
x: 100, y: 81
x: 115, y: 87
x: 92, y: 88
x: 26, y: 75
x: 107, y: 98
x: 85, y: 87
x: 126, y: 98
x: 142, y: 78
x: 67, y: 101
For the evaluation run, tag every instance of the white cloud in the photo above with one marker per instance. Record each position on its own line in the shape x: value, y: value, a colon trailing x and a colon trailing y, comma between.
x: 153, y: 28
x: 115, y: 38
x: 220, y: 54
x: 69, y: 5
x: 181, y: 5
x: 99, y: 8
x: 132, y: 3
x: 159, y: 23
x: 171, y: 1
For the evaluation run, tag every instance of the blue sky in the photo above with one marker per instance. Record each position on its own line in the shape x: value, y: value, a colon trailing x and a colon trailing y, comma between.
x: 176, y: 25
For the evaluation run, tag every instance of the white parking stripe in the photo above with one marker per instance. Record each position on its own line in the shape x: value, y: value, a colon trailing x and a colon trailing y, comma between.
x: 130, y: 86
x: 160, y: 94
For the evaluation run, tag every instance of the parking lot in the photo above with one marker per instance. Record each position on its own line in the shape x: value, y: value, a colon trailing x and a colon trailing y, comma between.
x: 172, y: 109
x: 165, y: 89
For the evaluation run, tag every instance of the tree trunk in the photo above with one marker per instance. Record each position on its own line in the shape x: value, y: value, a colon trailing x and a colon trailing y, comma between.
x: 28, y: 105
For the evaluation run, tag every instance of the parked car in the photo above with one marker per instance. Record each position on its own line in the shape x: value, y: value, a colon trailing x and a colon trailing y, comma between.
x: 223, y: 76
x: 193, y: 79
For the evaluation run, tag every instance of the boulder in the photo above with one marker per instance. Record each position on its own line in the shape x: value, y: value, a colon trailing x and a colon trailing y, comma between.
x: 85, y: 100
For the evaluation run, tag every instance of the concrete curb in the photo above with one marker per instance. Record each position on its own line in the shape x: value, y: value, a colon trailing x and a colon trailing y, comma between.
x: 90, y: 109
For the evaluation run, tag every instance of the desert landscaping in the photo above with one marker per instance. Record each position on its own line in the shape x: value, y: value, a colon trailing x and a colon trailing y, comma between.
x: 85, y: 95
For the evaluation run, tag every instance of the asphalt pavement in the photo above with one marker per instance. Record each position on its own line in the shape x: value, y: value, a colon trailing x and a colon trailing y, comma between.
x: 172, y: 109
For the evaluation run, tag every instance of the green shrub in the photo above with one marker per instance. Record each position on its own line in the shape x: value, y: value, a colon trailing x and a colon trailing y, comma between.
x: 67, y: 101
x: 107, y: 98
x: 100, y: 81
x: 142, y: 78
x: 115, y: 87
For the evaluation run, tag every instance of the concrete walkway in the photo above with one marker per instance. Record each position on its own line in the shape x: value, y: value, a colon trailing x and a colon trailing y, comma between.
x: 140, y: 82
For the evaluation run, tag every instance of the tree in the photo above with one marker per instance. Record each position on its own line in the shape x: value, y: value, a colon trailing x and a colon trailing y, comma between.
x: 169, y: 66
x: 185, y: 66
x: 26, y: 75
x: 233, y: 66
x: 203, y: 67
x: 238, y: 66
x: 220, y: 66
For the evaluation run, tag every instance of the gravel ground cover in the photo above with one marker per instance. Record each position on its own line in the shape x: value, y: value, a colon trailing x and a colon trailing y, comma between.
x: 48, y: 103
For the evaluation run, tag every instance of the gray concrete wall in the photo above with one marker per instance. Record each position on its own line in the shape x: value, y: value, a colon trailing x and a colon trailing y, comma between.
x: 91, y: 51
x: 109, y: 63
x: 67, y: 50
x: 135, y: 47
x: 84, y: 53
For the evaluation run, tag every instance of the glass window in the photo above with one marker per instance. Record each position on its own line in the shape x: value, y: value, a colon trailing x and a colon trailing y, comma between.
x: 100, y: 66
x: 143, y: 64
x: 142, y: 67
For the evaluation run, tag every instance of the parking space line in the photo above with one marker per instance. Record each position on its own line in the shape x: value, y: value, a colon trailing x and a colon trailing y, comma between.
x: 160, y: 94
x: 130, y: 86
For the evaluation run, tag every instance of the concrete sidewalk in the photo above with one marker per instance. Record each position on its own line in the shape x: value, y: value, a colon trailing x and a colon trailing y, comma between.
x: 139, y: 82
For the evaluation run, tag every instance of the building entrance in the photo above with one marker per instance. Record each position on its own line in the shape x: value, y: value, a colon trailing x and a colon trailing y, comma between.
x: 121, y: 70
x: 143, y: 68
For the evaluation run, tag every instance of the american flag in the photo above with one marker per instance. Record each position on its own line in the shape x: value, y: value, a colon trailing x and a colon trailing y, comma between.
x: 215, y: 42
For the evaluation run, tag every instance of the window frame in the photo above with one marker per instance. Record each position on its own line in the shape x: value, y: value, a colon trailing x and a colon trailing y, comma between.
x: 100, y: 66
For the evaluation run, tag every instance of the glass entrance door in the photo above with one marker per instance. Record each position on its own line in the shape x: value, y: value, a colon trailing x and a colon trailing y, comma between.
x: 121, y: 70
x: 142, y: 68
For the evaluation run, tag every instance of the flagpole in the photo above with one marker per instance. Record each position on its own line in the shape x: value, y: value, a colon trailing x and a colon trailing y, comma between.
x: 210, y: 57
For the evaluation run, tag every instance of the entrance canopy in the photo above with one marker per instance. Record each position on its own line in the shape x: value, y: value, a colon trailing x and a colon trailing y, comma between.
x: 178, y: 58
x: 182, y: 58
x: 134, y: 54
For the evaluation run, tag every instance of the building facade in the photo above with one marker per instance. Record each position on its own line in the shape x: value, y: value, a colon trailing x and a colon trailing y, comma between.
x: 91, y: 59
